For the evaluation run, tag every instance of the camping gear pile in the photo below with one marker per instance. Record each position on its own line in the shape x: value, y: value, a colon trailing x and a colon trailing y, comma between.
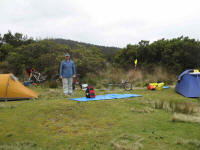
x: 188, y: 83
x: 84, y: 86
x: 36, y: 79
x: 155, y: 86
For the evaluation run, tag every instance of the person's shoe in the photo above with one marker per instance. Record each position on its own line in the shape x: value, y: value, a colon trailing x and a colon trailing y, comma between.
x: 67, y: 95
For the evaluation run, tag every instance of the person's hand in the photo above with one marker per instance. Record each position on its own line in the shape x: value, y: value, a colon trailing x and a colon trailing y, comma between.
x: 60, y: 77
x: 74, y: 76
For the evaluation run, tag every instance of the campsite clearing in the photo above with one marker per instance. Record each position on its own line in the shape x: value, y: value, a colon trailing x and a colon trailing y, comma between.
x: 54, y: 122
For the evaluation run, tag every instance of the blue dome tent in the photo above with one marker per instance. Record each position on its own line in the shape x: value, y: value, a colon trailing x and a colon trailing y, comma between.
x: 188, y: 83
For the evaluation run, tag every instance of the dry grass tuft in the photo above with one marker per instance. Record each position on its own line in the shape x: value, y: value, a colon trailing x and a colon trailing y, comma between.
x: 193, y: 142
x: 134, y: 75
x: 24, y: 145
x: 4, y: 106
x: 161, y: 73
x: 144, y: 110
x: 158, y: 74
x: 113, y: 75
x: 150, y: 102
x: 140, y: 78
x: 109, y: 76
x: 180, y: 107
x: 185, y: 118
x: 127, y: 142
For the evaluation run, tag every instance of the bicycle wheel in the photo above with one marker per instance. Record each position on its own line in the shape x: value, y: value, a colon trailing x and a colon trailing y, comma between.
x: 128, y: 86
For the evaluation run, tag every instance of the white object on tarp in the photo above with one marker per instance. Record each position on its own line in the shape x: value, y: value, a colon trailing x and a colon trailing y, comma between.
x: 84, y: 86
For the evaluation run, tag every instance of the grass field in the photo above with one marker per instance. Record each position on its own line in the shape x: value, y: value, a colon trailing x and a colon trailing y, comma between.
x: 156, y: 121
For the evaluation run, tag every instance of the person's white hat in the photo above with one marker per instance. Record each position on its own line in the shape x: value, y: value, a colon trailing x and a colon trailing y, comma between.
x: 67, y: 54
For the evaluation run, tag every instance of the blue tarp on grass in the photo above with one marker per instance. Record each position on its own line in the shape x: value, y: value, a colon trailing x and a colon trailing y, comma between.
x: 166, y: 87
x: 105, y: 97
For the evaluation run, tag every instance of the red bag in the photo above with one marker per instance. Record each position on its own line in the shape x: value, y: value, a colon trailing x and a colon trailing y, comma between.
x: 151, y: 87
x: 90, y: 93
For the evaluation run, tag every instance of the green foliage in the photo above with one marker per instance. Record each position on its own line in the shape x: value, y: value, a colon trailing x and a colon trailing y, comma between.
x: 16, y: 39
x: 88, y: 60
x: 44, y: 56
x: 4, y: 67
x: 175, y: 55
x: 4, y: 50
x: 18, y: 51
x: 9, y: 42
x: 108, y: 51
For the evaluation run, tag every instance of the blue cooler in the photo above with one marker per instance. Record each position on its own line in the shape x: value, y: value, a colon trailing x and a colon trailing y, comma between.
x: 27, y: 83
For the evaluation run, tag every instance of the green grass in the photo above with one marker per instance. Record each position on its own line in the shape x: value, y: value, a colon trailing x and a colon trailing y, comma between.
x: 54, y: 122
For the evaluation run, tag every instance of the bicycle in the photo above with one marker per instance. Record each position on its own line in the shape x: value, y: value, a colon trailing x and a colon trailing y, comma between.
x: 124, y: 85
x: 36, y: 79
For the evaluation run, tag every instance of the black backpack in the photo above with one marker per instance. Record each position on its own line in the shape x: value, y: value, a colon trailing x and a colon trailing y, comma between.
x: 90, y: 93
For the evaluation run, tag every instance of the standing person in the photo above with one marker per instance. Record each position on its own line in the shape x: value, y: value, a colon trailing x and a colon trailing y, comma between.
x: 67, y: 72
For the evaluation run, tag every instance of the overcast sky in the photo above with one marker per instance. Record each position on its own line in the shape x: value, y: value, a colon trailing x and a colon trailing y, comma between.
x: 102, y: 22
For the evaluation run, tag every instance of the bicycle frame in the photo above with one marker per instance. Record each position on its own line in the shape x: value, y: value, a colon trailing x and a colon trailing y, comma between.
x: 124, y: 85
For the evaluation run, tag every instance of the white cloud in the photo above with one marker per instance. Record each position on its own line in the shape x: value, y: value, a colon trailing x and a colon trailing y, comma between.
x: 105, y: 22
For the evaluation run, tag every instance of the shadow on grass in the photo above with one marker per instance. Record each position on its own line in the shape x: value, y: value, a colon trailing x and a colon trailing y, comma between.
x: 15, y: 99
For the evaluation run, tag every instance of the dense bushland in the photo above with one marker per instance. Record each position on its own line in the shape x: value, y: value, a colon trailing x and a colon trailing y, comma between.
x: 45, y: 56
x: 175, y: 55
x: 159, y: 60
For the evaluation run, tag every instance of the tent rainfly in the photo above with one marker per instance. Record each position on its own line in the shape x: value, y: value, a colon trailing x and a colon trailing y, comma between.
x: 188, y: 83
x: 11, y: 88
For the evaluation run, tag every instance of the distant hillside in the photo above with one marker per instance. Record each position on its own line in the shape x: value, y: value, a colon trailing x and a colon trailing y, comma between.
x: 73, y: 44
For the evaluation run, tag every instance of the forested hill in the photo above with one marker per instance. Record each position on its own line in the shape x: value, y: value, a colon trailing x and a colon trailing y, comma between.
x: 73, y: 44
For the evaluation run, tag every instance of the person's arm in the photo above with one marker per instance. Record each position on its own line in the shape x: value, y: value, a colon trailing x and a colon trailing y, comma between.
x: 74, y: 70
x: 30, y: 75
x: 26, y: 73
x: 61, y: 70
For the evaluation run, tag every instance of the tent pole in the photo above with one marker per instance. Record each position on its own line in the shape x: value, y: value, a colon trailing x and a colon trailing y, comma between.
x: 7, y: 90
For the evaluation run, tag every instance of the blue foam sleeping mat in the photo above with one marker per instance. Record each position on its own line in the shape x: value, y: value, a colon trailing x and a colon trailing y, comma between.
x: 166, y: 87
x: 105, y: 97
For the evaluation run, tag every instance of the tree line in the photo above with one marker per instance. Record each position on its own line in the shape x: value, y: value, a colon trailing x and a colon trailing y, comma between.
x: 175, y: 55
x: 18, y: 51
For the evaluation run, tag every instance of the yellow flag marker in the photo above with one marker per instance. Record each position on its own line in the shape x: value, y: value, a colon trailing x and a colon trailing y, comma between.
x: 135, y: 62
